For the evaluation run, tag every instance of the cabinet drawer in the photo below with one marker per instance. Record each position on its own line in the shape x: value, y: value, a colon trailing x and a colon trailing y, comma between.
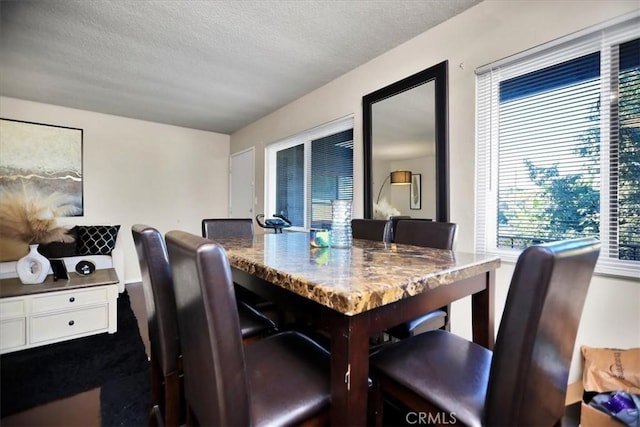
x: 73, y: 322
x: 68, y: 299
x: 12, y: 308
x: 13, y: 333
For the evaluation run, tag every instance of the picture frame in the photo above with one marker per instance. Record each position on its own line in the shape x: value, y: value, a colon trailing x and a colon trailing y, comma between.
x: 59, y: 269
x: 415, y: 192
x: 44, y: 159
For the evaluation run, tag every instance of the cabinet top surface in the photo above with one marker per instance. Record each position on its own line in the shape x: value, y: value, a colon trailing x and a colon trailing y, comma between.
x: 13, y: 287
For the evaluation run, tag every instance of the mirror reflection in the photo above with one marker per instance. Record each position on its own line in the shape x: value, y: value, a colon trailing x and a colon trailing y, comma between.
x: 405, y: 147
x: 403, y: 136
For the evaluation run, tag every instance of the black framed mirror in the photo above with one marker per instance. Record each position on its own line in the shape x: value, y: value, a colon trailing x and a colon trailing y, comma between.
x: 406, y: 130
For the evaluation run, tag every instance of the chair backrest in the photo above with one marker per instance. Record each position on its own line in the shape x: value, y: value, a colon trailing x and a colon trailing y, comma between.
x: 368, y: 229
x: 428, y: 234
x: 213, y: 228
x: 534, y: 346
x: 157, y: 282
x: 215, y: 382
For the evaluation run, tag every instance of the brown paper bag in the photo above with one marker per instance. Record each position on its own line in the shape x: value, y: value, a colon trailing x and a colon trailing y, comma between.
x: 611, y: 369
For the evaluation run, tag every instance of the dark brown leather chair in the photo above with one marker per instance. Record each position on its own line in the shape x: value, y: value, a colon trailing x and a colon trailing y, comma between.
x: 156, y: 417
x: 157, y: 282
x: 369, y: 229
x: 213, y: 228
x: 380, y: 230
x: 428, y: 234
x: 280, y: 380
x: 217, y: 228
x: 524, y: 380
x: 394, y: 225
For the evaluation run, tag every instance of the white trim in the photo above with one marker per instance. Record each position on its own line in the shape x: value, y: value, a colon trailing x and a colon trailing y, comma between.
x: 595, y: 39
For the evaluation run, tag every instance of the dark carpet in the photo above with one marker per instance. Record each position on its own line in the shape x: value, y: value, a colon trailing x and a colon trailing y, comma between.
x: 115, y: 362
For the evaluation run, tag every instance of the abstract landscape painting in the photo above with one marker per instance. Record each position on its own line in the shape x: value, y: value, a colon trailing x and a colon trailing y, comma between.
x: 42, y: 159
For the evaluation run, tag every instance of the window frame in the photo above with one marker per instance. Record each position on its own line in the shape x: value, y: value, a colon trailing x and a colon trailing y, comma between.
x: 599, y: 38
x: 303, y: 138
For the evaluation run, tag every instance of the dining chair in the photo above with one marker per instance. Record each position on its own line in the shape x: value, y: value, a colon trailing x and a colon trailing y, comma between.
x: 381, y: 230
x: 156, y: 417
x: 280, y: 380
x: 218, y: 228
x: 164, y: 339
x: 428, y: 234
x: 213, y: 228
x: 523, y: 381
x: 370, y: 229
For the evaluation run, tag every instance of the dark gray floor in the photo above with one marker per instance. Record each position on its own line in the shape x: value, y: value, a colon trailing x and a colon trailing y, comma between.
x: 81, y: 410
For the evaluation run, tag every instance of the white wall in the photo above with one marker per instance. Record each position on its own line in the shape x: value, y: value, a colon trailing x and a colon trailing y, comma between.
x: 485, y: 33
x: 140, y: 172
x: 400, y: 194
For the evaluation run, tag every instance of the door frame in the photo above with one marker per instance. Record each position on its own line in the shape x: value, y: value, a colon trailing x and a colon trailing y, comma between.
x: 253, y: 179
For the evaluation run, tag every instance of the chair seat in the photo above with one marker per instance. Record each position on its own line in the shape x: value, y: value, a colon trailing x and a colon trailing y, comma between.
x: 252, y: 322
x: 277, y: 397
x: 442, y: 368
x: 432, y: 320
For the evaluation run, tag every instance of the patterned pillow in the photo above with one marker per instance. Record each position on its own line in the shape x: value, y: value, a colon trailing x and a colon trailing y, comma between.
x: 61, y: 249
x: 97, y: 239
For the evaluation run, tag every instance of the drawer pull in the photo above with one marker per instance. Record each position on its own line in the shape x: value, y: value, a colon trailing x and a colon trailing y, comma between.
x: 71, y: 322
x: 72, y: 299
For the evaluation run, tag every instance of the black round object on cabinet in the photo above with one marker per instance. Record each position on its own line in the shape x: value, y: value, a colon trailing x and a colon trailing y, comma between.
x: 85, y: 267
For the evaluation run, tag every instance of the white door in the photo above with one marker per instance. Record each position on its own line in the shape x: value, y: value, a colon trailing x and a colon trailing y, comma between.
x: 241, y: 184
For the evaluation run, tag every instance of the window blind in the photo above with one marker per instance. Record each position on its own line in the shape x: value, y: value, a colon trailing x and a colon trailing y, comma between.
x: 290, y: 184
x: 556, y: 158
x: 306, y: 171
x: 625, y: 163
x: 331, y: 175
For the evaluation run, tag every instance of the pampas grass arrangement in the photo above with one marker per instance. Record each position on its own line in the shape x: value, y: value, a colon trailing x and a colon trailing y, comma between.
x: 384, y: 210
x: 30, y: 216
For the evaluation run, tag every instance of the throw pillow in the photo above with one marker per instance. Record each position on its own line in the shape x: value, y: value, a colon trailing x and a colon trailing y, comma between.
x: 97, y: 239
x: 61, y: 249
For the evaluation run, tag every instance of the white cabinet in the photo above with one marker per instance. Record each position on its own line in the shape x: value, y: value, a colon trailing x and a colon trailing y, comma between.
x: 57, y: 315
x: 13, y: 334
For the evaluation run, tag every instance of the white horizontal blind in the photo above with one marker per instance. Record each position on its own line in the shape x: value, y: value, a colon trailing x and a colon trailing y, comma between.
x: 549, y: 165
x: 305, y: 169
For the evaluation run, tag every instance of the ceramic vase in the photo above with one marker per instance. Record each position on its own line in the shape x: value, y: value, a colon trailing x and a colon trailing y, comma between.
x: 33, y: 267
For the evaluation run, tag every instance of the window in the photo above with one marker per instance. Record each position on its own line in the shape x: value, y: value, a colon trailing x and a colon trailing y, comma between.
x: 558, y: 147
x: 305, y: 172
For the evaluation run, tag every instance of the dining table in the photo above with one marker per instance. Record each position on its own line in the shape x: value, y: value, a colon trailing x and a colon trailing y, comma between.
x: 357, y: 292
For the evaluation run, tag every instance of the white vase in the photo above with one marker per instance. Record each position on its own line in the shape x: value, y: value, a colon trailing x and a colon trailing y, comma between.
x: 33, y: 267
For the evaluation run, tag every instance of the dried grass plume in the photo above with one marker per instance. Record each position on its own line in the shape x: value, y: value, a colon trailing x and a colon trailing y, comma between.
x: 28, y: 215
x: 384, y: 210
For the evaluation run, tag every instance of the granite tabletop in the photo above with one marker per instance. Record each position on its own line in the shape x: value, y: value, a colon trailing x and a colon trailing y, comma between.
x: 367, y: 275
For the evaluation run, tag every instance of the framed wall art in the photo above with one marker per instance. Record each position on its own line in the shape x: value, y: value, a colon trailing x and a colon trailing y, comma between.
x: 42, y: 161
x: 415, y: 193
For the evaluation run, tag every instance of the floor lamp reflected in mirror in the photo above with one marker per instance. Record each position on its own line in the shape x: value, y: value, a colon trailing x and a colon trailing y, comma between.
x: 396, y: 178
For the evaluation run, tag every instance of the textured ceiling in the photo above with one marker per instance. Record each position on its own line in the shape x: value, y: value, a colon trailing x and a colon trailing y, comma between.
x: 211, y: 65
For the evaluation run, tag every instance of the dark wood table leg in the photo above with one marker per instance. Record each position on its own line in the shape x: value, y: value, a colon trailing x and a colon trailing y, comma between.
x: 349, y: 370
x: 483, y: 311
